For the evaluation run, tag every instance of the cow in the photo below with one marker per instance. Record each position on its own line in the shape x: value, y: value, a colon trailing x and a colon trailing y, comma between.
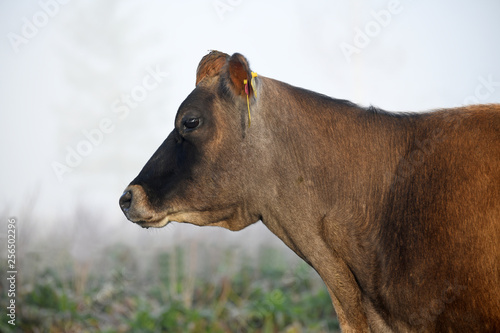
x: 398, y: 212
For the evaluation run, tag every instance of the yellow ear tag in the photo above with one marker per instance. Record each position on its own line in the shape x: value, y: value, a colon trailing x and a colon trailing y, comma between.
x: 247, y: 92
x: 254, y: 75
x: 245, y: 82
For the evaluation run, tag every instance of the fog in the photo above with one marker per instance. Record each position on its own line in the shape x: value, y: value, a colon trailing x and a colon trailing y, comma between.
x: 89, y: 89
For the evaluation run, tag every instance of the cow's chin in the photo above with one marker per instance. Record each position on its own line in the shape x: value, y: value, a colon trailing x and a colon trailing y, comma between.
x: 152, y: 223
x: 226, y: 218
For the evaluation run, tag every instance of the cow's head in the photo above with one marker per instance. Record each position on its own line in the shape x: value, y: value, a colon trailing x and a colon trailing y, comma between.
x: 201, y: 174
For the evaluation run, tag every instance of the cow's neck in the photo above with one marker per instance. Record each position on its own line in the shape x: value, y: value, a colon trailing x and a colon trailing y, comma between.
x: 333, y: 167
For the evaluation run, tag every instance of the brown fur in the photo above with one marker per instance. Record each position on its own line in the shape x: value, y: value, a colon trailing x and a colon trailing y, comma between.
x: 210, y: 65
x: 399, y: 213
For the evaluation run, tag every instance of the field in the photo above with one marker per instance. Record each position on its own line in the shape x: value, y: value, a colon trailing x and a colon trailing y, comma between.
x: 189, y: 286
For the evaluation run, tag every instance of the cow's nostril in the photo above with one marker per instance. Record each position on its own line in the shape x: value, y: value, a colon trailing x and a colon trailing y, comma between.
x: 126, y: 200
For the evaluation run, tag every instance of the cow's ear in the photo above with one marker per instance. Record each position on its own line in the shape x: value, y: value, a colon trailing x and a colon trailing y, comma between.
x: 211, y: 65
x: 238, y: 71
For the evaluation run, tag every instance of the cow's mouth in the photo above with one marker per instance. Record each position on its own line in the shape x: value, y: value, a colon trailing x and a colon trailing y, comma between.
x: 151, y: 223
x: 218, y: 218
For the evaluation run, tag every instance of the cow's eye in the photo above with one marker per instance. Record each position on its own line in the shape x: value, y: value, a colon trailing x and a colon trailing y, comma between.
x: 192, y: 123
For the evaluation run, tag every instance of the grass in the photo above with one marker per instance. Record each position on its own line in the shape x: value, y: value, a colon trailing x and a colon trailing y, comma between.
x: 193, y: 287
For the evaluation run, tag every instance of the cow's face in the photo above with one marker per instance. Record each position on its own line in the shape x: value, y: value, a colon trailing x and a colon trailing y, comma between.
x: 198, y: 174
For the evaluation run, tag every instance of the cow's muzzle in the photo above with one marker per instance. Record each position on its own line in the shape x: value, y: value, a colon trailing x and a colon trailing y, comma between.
x: 135, y: 205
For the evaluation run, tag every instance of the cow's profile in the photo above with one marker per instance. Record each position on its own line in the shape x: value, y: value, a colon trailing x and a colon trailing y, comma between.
x: 399, y: 213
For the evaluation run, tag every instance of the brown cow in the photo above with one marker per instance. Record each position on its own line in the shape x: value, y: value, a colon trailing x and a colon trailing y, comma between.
x: 399, y: 213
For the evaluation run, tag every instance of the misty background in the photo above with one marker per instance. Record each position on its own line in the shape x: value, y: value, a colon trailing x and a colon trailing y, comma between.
x: 71, y: 68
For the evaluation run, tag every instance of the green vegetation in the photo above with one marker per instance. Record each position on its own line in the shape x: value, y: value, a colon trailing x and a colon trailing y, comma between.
x: 187, y: 288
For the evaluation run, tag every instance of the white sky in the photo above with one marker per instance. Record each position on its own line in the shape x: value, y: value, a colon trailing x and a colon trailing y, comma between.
x: 87, y: 54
